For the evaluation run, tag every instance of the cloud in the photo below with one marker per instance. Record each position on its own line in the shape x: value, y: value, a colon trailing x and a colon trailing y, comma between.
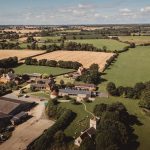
x: 125, y: 10
x: 146, y: 9
x: 85, y: 6
x: 78, y: 14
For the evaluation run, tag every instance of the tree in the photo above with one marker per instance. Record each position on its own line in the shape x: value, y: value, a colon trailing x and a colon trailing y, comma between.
x: 105, y: 139
x: 59, y: 137
x: 99, y: 109
x: 129, y: 92
x: 120, y: 90
x: 145, y: 101
x: 94, y: 67
x: 30, y: 39
x: 132, y: 45
x: 111, y: 88
x: 62, y: 83
x: 104, y: 48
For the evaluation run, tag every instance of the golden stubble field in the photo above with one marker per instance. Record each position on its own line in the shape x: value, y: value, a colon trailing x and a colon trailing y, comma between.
x: 84, y: 57
x: 23, y: 31
x: 19, y: 53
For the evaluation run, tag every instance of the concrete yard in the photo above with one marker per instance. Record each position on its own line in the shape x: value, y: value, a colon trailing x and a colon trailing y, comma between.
x: 25, y: 133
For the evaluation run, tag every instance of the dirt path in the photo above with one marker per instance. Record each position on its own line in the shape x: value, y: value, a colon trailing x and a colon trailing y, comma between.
x: 85, y: 108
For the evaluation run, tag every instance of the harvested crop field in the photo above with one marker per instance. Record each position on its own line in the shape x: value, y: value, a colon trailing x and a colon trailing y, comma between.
x: 19, y: 53
x: 23, y: 31
x: 85, y: 58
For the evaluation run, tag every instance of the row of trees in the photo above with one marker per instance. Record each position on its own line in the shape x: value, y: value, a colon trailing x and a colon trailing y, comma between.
x: 9, y: 62
x: 92, y: 75
x: 53, y: 137
x: 53, y: 63
x: 9, y: 35
x: 139, y: 91
x: 7, y: 45
x: 112, y: 129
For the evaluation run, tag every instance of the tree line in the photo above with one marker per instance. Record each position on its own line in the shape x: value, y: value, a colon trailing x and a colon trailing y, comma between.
x: 7, y: 45
x: 53, y: 63
x: 139, y: 91
x: 9, y: 62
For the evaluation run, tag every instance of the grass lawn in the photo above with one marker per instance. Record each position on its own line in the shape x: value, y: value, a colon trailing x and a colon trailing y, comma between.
x: 66, y: 80
x: 23, y: 45
x: 40, y: 44
x: 41, y: 94
x: 131, y: 67
x: 80, y: 123
x: 135, y: 39
x: 99, y: 43
x: 142, y: 131
x: 41, y: 69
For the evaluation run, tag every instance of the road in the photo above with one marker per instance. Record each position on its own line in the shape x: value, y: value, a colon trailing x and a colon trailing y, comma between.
x: 25, y: 133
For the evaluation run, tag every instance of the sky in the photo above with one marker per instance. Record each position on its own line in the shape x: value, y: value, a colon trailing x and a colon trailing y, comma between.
x: 59, y: 12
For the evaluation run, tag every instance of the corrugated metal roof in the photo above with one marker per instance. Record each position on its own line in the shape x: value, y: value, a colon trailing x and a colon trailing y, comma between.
x: 75, y: 92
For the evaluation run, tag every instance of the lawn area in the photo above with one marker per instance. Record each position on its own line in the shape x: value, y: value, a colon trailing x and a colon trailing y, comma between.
x: 99, y: 43
x: 23, y: 45
x: 135, y: 39
x: 66, y: 80
x: 41, y: 94
x: 131, y: 67
x: 80, y: 123
x: 40, y: 69
x: 142, y: 131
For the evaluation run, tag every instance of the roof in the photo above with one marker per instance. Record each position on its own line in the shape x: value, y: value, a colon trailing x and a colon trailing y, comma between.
x: 2, y: 115
x: 9, y: 106
x: 75, y: 92
x: 39, y: 85
x: 85, y: 85
x: 84, y: 135
x: 20, y: 115
x: 91, y: 131
x: 34, y: 74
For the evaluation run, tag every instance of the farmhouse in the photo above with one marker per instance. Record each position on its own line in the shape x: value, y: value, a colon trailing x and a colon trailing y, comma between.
x: 10, y: 76
x: 42, y: 84
x: 90, y: 132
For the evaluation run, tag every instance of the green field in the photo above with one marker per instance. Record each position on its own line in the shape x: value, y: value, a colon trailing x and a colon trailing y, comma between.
x: 131, y: 67
x: 142, y: 131
x: 100, y: 43
x: 41, y: 69
x: 135, y: 39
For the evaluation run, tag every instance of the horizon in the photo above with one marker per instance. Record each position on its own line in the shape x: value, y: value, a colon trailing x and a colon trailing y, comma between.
x: 79, y: 12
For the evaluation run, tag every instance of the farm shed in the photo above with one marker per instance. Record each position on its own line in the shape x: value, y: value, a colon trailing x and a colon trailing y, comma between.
x: 75, y: 92
x: 22, y: 116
